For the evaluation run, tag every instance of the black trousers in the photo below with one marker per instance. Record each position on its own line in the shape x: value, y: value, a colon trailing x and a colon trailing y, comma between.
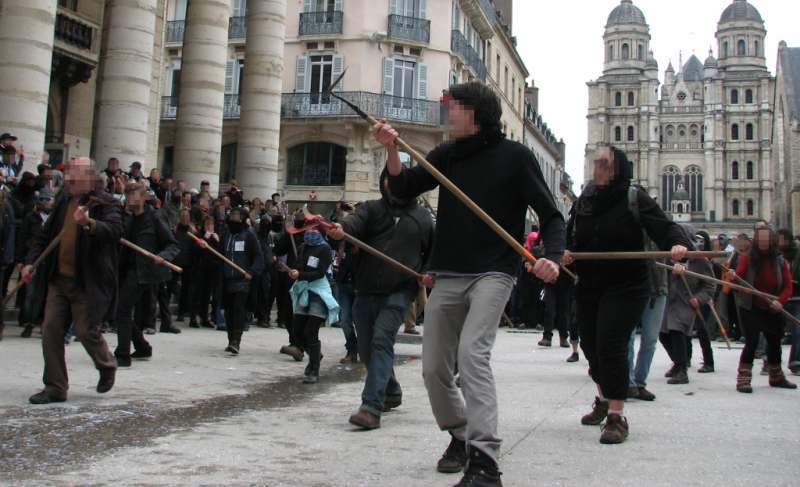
x: 734, y: 327
x: 606, y: 320
x: 203, y: 285
x: 556, y: 309
x: 262, y: 292
x: 184, y: 301
x: 130, y: 293
x: 235, y: 314
x: 278, y: 293
x: 674, y: 343
x: 771, y: 325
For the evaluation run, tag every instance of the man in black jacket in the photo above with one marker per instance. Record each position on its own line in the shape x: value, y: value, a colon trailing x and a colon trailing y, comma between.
x: 404, y: 231
x: 473, y: 266
x: 149, y: 230
x: 78, y: 283
x: 30, y: 228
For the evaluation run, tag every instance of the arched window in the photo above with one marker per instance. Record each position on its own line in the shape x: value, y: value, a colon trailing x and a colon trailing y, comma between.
x: 693, y: 181
x: 748, y: 131
x: 640, y: 55
x: 610, y: 53
x: 735, y: 132
x: 680, y: 207
x: 316, y: 164
x: 617, y: 134
x: 681, y: 131
x: 751, y: 208
x: 750, y: 170
x: 735, y: 207
x: 694, y: 132
x: 631, y: 99
x: 735, y: 170
x: 625, y: 51
x: 741, y: 48
x: 630, y: 133
x: 618, y: 99
x: 734, y: 97
x: 670, y: 133
x: 756, y: 49
x: 725, y: 50
x: 748, y: 96
x: 669, y: 184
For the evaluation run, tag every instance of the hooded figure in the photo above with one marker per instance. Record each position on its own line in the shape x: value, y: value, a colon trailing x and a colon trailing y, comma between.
x: 23, y: 196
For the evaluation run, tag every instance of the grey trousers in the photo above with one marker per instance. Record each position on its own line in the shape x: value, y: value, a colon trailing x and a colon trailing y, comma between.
x: 461, y: 322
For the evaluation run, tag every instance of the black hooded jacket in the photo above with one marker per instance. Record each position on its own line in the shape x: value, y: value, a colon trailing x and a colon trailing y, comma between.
x: 403, y: 232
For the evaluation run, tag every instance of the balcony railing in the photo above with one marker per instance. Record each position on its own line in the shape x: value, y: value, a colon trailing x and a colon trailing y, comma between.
x: 461, y: 46
x: 682, y: 110
x: 682, y: 146
x: 74, y: 32
x: 395, y: 108
x: 321, y: 23
x: 409, y: 28
x: 175, y: 30
x: 169, y: 107
x: 237, y: 29
x: 232, y: 107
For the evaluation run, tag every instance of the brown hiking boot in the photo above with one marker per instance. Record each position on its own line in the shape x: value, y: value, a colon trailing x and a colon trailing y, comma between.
x: 744, y: 378
x: 778, y: 379
x: 294, y: 352
x: 671, y: 371
x: 349, y: 359
x: 705, y: 369
x: 411, y: 330
x: 598, y: 414
x: 366, y: 420
x: 564, y: 343
x: 545, y: 343
x: 615, y: 430
x: 633, y: 392
x: 680, y: 377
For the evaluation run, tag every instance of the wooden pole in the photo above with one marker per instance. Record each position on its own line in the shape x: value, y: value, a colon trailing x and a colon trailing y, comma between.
x: 219, y: 255
x: 642, y: 255
x: 428, y: 204
x: 691, y: 295
x: 711, y: 305
x: 722, y: 283
x: 148, y: 254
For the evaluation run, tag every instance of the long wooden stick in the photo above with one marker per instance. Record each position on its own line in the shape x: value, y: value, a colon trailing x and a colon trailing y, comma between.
x: 46, y: 252
x: 447, y: 184
x: 219, y: 255
x: 711, y: 305
x: 722, y: 283
x: 770, y: 299
x: 377, y: 253
x: 699, y: 314
x: 428, y: 204
x: 642, y: 255
x: 148, y: 254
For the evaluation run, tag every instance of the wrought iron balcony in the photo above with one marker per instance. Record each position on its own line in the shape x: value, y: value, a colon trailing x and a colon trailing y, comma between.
x: 461, y: 46
x: 232, y: 107
x: 395, y: 108
x: 409, y: 28
x: 175, y: 30
x: 169, y: 107
x: 237, y: 28
x: 321, y: 23
x: 74, y: 32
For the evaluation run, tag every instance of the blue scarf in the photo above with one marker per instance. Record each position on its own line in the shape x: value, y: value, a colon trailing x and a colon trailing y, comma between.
x: 313, y: 237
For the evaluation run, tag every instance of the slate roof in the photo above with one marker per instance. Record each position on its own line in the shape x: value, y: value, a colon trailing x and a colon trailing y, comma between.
x: 740, y: 10
x: 693, y: 69
x: 626, y: 13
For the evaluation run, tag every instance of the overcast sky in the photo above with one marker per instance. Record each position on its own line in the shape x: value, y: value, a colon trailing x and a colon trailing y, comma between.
x: 561, y: 43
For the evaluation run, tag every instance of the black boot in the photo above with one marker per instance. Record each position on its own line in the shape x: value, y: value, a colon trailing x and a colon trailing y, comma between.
x: 481, y: 471
x: 314, y: 352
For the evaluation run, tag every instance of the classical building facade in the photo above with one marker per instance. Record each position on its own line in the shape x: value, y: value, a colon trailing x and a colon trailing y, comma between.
x: 399, y: 54
x: 710, y: 127
x: 786, y: 139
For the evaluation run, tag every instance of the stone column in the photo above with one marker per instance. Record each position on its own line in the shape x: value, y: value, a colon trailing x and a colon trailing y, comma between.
x: 198, y: 129
x: 26, y: 41
x: 260, y: 123
x: 123, y: 82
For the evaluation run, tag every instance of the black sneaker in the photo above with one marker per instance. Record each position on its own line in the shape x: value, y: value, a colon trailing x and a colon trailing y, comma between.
x: 455, y: 457
x: 481, y: 472
x: 233, y: 347
x: 645, y: 395
x: 27, y: 332
x: 573, y: 358
x: 194, y: 324
x: 207, y: 324
x: 137, y: 355
x: 123, y: 363
x: 44, y: 398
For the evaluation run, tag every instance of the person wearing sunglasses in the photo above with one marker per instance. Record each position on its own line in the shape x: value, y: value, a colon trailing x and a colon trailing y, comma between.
x: 31, y: 226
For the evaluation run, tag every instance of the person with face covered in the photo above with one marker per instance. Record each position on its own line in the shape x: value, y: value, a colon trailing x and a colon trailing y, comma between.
x: 312, y: 299
x: 205, y: 276
x: 681, y: 309
x: 240, y: 246
x: 173, y: 207
x: 766, y: 270
x: 703, y: 243
x: 28, y: 230
x: 612, y: 295
x: 286, y: 249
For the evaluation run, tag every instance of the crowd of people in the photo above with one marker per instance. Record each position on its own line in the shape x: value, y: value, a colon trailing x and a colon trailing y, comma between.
x: 106, y: 241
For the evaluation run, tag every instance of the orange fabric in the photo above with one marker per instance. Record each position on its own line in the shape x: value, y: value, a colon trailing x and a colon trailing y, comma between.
x: 66, y: 248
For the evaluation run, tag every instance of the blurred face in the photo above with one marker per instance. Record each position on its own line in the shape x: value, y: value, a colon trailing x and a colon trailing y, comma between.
x: 462, y: 118
x: 205, y: 189
x: 235, y: 216
x: 154, y: 174
x: 605, y: 170
x: 134, y: 201
x: 113, y: 165
x: 763, y: 240
x: 209, y: 226
x: 9, y: 158
x: 226, y: 201
x: 187, y: 198
x: 168, y: 183
x: 79, y: 176
x: 182, y: 186
x: 700, y: 242
x: 184, y: 218
x: 744, y: 245
x: 784, y: 241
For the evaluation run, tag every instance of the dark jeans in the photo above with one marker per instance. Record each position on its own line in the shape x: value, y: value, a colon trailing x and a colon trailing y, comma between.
x: 515, y: 303
x: 346, y: 295
x: 235, y: 314
x: 703, y: 337
x: 164, y: 295
x: 378, y: 318
x: 556, y: 309
x: 184, y: 301
x: 675, y: 344
x: 130, y: 293
x: 771, y: 325
x: 204, y: 285
x: 263, y: 284
x: 27, y: 316
x: 606, y: 318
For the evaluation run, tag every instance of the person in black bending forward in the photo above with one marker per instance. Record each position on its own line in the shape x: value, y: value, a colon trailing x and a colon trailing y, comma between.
x: 612, y: 294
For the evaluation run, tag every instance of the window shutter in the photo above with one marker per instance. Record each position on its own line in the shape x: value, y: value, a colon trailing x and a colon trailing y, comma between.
x: 308, y: 6
x: 238, y: 9
x: 338, y: 67
x: 422, y: 81
x: 230, y: 66
x: 393, y: 7
x: 180, y: 10
x: 337, y: 5
x: 423, y: 9
x: 388, y: 76
x: 301, y: 75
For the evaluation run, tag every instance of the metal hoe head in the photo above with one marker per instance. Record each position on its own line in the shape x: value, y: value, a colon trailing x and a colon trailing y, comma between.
x: 329, y: 91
